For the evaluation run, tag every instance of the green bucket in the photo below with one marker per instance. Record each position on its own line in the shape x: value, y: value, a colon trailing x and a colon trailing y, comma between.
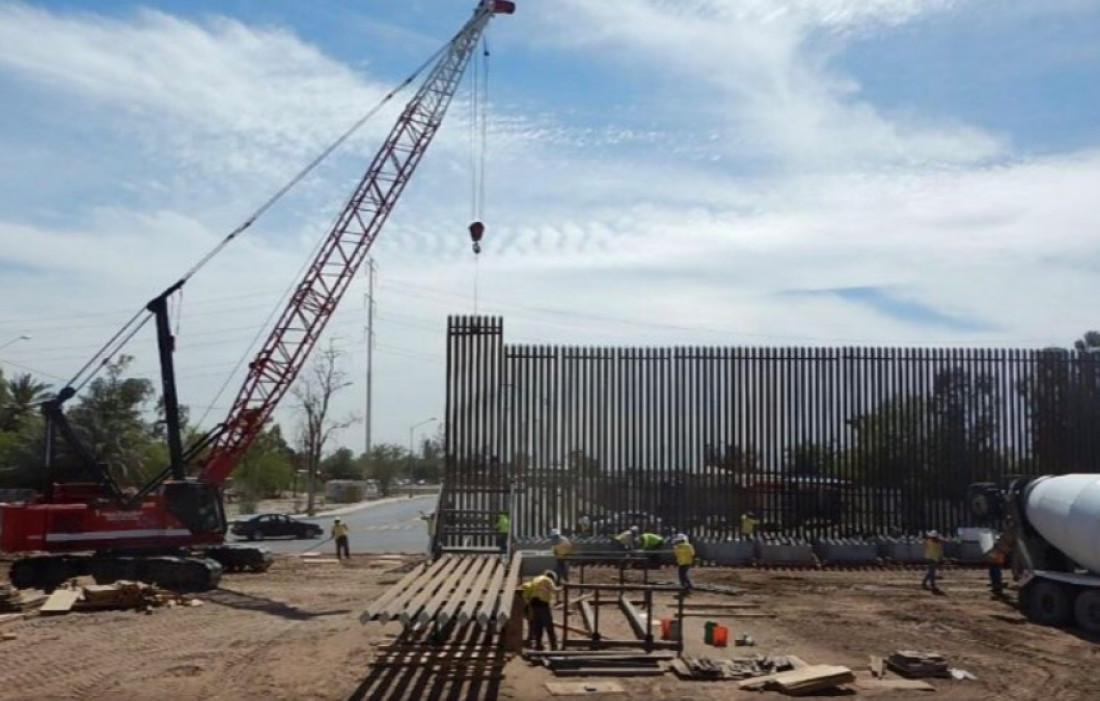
x: 708, y: 632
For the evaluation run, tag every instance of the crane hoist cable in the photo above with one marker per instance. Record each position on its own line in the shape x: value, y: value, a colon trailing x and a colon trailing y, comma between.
x: 130, y: 329
x: 479, y: 131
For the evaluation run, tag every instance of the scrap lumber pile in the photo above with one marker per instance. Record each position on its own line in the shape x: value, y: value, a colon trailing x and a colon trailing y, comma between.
x: 119, y: 595
x: 705, y: 668
x: 13, y: 600
x: 913, y: 664
x: 802, y: 679
x: 573, y: 663
x: 454, y: 588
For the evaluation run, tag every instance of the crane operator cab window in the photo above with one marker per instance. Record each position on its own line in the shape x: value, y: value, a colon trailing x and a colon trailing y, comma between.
x: 197, y: 505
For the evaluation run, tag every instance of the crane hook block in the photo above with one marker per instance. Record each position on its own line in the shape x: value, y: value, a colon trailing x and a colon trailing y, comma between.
x: 476, y: 231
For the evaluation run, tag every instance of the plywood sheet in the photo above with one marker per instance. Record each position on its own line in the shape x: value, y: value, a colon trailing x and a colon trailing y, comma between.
x: 584, y: 688
x: 61, y: 601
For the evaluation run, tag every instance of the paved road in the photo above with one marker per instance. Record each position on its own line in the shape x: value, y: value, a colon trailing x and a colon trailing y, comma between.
x: 386, y: 527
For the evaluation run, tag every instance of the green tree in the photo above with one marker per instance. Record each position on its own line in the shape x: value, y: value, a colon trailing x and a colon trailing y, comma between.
x: 18, y: 398
x: 1063, y: 399
x: 266, y: 469
x: 740, y: 460
x: 384, y: 464
x: 109, y: 418
x: 314, y: 392
x: 341, y: 465
x: 428, y: 465
x: 811, y: 459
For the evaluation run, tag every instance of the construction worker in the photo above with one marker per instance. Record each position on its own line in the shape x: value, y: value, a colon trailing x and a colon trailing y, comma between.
x: 429, y: 523
x: 650, y: 541
x: 748, y: 524
x: 933, y: 556
x: 538, y: 597
x: 504, y: 529
x: 561, y: 547
x: 685, y: 558
x: 340, y: 533
x: 996, y: 572
x: 626, y: 538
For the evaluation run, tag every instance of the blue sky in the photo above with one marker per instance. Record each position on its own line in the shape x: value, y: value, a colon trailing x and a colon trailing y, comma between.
x: 672, y: 172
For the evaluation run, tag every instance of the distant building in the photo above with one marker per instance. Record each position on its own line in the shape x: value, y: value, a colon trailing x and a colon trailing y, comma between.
x: 350, y: 491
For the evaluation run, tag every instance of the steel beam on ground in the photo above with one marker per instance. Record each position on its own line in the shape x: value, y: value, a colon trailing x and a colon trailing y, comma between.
x: 379, y: 606
x: 442, y: 588
x: 430, y: 583
x: 507, y: 592
x: 466, y: 598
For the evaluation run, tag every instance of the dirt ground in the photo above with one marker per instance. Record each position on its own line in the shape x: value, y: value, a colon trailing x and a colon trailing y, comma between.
x: 293, y: 633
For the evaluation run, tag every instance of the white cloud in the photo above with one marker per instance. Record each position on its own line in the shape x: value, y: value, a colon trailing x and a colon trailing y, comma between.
x: 651, y: 242
x: 762, y: 70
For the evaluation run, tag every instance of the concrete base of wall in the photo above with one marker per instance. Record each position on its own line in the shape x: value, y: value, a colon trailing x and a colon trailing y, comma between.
x: 845, y: 551
x: 970, y: 551
x: 901, y: 550
x: 729, y: 552
x: 534, y: 562
x: 792, y: 553
x: 596, y: 547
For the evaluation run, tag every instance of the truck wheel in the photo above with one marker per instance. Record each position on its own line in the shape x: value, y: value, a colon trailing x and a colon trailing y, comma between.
x: 1049, y: 603
x: 1087, y: 611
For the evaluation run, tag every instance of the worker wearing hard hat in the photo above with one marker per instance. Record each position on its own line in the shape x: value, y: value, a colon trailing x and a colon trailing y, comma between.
x: 340, y: 534
x: 650, y: 541
x: 685, y: 558
x: 538, y: 597
x: 748, y: 524
x: 626, y: 538
x: 504, y: 530
x: 561, y: 547
x: 933, y: 556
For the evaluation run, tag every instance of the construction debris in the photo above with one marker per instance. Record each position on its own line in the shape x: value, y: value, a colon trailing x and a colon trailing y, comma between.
x: 864, y: 683
x: 584, y: 688
x: 599, y: 662
x: 805, y: 680
x: 60, y: 601
x: 705, y: 668
x: 95, y: 597
x: 914, y: 664
x: 13, y: 600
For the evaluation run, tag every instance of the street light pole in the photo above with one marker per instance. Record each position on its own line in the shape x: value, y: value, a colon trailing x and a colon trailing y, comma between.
x: 412, y: 429
x: 17, y: 339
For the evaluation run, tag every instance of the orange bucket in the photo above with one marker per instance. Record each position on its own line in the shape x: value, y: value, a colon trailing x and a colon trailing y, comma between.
x: 721, y: 636
x: 666, y: 628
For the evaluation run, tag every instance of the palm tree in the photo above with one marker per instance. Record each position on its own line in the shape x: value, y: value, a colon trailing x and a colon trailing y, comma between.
x: 23, y: 394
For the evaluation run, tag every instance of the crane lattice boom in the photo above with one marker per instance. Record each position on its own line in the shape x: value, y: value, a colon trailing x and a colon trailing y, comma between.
x: 299, y: 327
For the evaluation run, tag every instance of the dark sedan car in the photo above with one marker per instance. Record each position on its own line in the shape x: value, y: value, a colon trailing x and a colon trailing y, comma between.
x: 275, y: 526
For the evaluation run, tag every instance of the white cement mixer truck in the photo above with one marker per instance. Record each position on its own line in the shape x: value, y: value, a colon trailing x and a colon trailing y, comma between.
x: 1052, y: 532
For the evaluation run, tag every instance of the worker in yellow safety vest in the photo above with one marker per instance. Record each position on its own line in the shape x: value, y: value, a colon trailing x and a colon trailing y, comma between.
x: 504, y: 529
x: 340, y: 533
x: 538, y: 597
x: 626, y: 538
x: 933, y: 556
x: 561, y: 546
x: 685, y: 558
x: 748, y: 524
x: 650, y: 541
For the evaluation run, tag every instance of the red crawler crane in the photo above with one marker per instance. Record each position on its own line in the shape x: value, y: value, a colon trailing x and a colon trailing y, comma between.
x: 173, y: 530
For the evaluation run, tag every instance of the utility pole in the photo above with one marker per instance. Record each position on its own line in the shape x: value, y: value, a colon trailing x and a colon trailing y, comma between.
x: 370, y: 351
